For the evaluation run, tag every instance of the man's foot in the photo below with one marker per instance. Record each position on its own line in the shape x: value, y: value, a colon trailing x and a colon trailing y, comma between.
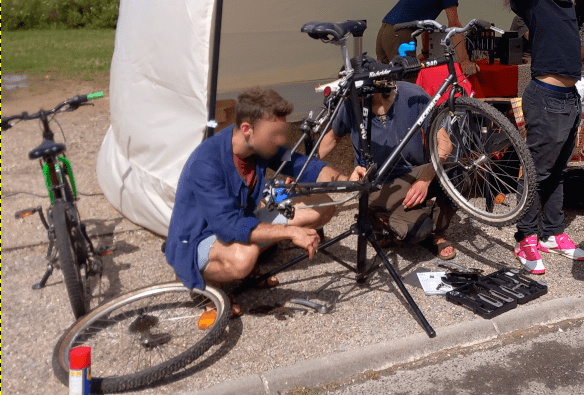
x: 440, y: 247
x: 271, y: 282
x: 563, y: 245
x: 236, y: 310
x: 528, y: 254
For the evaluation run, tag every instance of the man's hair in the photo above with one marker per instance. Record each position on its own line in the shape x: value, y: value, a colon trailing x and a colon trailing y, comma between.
x: 254, y: 103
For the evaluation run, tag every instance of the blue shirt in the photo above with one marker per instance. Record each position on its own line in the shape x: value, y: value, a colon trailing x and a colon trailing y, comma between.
x: 212, y: 198
x: 553, y: 35
x: 417, y: 10
x: 410, y: 102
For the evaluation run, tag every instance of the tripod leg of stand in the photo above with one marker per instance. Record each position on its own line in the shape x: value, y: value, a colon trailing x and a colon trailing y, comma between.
x: 251, y: 282
x: 362, y: 226
x: 400, y: 284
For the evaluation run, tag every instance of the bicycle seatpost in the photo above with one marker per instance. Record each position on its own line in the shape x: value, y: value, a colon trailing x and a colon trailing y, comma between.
x: 346, y: 57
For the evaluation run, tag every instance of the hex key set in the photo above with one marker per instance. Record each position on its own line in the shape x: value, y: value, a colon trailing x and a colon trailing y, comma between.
x: 496, y: 293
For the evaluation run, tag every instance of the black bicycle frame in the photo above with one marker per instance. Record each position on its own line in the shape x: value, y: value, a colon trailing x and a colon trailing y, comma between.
x: 364, y: 121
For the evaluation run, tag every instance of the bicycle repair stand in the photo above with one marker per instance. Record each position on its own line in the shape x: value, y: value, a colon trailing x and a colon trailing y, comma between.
x: 362, y: 228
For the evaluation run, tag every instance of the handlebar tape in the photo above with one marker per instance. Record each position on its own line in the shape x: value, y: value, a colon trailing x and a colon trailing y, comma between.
x: 483, y: 24
x: 406, y: 25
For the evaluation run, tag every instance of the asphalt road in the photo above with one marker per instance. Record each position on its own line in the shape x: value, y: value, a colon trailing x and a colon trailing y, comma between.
x: 543, y: 360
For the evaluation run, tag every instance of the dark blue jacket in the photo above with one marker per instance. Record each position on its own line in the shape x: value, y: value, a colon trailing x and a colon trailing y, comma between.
x: 212, y: 198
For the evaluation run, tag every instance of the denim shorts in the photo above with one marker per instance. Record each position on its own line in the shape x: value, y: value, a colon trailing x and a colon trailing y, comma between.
x: 263, y: 214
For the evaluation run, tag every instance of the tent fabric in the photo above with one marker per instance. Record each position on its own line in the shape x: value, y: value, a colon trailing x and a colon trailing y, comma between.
x: 158, y: 105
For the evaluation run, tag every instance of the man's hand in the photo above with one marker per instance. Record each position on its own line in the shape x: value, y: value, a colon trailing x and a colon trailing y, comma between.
x: 358, y: 173
x: 307, y: 239
x: 416, y: 194
x: 469, y: 68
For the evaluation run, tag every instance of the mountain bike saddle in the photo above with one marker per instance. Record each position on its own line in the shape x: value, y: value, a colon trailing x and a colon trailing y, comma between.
x: 47, y: 148
x: 338, y: 30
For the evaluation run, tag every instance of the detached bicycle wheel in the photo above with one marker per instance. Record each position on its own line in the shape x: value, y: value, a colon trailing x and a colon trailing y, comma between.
x: 486, y: 167
x: 70, y: 267
x: 145, y: 335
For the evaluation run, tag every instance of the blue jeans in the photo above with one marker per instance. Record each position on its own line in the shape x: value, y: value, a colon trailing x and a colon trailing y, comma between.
x: 551, y: 119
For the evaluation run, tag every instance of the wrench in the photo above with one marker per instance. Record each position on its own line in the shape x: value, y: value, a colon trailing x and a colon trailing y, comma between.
x: 320, y: 308
x: 490, y: 300
x: 500, y: 296
x: 458, y: 268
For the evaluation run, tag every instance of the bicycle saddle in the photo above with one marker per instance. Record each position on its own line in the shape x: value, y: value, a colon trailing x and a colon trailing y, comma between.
x: 47, y: 148
x: 322, y: 30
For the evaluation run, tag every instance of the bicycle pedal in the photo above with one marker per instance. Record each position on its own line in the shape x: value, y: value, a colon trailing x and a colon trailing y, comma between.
x: 105, y: 251
x: 25, y: 213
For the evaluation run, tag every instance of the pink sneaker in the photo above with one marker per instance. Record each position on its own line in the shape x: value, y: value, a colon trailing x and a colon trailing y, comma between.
x: 563, y: 245
x: 528, y: 254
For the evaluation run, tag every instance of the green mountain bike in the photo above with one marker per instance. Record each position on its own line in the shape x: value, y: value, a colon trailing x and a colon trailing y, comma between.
x: 69, y: 245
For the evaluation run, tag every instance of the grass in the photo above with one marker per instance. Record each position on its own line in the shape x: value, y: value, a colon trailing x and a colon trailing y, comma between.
x: 81, y: 53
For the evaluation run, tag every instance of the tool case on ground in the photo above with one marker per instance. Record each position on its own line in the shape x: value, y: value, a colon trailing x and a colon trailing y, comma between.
x: 497, y: 292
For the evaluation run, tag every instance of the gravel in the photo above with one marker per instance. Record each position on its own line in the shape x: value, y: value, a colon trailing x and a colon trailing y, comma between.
x: 363, y: 314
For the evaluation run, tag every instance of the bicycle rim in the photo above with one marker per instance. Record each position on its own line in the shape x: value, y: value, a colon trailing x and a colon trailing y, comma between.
x: 68, y: 259
x: 488, y: 171
x: 143, y: 336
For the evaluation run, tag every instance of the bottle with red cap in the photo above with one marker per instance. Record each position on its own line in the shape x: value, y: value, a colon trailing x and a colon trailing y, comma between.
x: 80, y: 371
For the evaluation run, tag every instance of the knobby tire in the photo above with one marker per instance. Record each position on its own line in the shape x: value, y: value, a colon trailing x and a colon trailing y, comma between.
x: 68, y: 259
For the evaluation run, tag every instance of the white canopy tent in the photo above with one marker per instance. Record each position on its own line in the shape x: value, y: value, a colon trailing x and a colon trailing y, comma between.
x: 159, y: 81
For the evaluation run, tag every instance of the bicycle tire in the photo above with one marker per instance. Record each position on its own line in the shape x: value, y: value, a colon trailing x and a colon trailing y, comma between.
x: 68, y: 259
x: 495, y: 180
x: 136, y: 323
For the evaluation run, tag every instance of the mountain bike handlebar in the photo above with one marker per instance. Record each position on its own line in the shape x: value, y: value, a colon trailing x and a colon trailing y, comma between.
x: 430, y: 25
x: 73, y: 104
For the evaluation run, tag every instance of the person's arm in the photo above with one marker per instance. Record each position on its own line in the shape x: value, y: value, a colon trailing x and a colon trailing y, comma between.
x: 425, y: 46
x: 419, y: 189
x: 305, y: 238
x: 210, y: 189
x: 467, y: 66
x: 328, y: 143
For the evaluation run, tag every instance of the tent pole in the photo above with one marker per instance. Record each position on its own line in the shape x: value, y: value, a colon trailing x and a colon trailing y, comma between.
x: 211, y: 122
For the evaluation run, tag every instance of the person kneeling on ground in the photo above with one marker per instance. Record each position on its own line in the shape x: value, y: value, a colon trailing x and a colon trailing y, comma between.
x: 218, y: 228
x: 403, y: 206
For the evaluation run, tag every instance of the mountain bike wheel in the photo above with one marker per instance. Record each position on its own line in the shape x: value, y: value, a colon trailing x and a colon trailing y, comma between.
x: 487, y: 169
x: 72, y: 275
x: 145, y: 335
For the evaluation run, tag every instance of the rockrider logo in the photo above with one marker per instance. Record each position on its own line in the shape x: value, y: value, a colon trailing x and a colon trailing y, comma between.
x: 379, y: 73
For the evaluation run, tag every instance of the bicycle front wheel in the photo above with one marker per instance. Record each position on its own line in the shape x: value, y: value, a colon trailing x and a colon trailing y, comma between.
x: 145, y: 335
x: 72, y: 276
x: 482, y: 162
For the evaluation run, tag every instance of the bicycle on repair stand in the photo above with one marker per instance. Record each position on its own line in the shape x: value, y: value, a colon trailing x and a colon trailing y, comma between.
x: 69, y: 245
x: 479, y: 157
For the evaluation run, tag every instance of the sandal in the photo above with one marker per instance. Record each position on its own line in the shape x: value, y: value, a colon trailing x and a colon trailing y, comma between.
x: 437, y: 249
x: 236, y: 310
x: 271, y: 282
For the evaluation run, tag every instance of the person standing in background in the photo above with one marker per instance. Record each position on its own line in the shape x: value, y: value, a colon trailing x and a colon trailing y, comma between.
x: 389, y: 40
x: 552, y: 110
